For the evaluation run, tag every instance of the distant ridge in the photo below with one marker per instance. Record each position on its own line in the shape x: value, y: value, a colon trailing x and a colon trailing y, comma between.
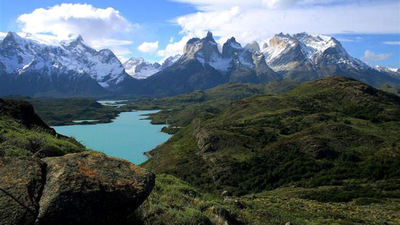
x: 72, y: 68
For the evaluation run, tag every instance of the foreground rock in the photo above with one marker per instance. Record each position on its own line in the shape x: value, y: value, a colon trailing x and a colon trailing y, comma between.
x: 21, y: 184
x: 78, y: 189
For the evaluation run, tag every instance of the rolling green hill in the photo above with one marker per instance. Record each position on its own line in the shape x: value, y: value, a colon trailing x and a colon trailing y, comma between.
x: 179, y: 111
x: 322, y: 133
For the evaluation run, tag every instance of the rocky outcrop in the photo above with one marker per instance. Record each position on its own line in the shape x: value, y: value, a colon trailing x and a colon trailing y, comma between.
x: 82, y: 188
x: 21, y: 184
x: 205, y: 140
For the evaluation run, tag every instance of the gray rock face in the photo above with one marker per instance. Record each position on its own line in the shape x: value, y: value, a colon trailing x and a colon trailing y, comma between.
x: 239, y: 56
x: 246, y: 65
x: 170, y: 61
x: 204, y: 50
x: 83, y: 188
x: 253, y: 46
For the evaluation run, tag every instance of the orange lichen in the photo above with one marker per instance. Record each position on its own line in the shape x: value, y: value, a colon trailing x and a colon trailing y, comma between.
x: 87, y: 172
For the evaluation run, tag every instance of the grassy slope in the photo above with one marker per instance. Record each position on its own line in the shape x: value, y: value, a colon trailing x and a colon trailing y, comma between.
x: 391, y: 89
x: 176, y: 202
x: 179, y: 111
x: 322, y: 133
x: 22, y: 133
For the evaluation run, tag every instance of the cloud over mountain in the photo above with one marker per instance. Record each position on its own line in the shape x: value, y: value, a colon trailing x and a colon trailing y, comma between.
x: 148, y: 47
x: 372, y: 56
x: 100, y: 27
x: 258, y: 19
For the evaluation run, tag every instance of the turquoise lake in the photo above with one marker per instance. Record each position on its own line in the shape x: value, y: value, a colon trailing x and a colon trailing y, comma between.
x: 127, y: 137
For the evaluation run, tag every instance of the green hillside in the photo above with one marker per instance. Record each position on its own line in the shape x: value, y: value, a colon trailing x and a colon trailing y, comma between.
x: 324, y: 132
x: 180, y: 110
x: 23, y: 133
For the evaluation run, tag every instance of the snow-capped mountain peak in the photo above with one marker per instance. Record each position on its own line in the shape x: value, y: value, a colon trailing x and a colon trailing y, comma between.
x: 230, y: 47
x: 20, y: 55
x: 238, y: 55
x: 170, y: 61
x: 393, y: 72
x: 286, y: 52
x: 205, y: 48
x: 12, y: 38
x: 140, y: 69
x: 206, y: 52
x: 387, y: 69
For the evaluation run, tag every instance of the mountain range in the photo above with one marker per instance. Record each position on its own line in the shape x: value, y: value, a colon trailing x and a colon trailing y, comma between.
x: 72, y: 68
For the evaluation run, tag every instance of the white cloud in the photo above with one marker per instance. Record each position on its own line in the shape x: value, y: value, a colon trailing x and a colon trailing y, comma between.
x: 148, y: 47
x: 260, y: 19
x: 345, y: 40
x: 372, y: 56
x: 391, y: 42
x: 2, y: 35
x: 174, y: 48
x: 109, y: 42
x: 99, y: 27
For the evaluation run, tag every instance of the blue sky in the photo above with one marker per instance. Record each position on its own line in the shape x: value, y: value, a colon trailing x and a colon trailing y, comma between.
x: 368, y: 29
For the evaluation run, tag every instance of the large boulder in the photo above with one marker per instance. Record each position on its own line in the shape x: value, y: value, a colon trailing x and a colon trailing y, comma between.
x: 21, y: 184
x: 93, y: 189
x: 79, y: 189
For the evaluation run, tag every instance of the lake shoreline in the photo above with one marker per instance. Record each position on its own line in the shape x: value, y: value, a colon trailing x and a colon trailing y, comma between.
x: 148, y: 154
x: 128, y: 136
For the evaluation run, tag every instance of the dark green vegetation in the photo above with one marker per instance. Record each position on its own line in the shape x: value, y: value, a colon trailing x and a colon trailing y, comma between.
x: 326, y: 152
x: 179, y: 111
x: 57, y: 112
x: 321, y: 133
x: 23, y: 133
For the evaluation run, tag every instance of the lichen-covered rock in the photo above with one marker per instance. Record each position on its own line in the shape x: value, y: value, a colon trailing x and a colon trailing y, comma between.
x: 79, y: 189
x: 206, y: 141
x: 87, y: 188
x: 21, y: 184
